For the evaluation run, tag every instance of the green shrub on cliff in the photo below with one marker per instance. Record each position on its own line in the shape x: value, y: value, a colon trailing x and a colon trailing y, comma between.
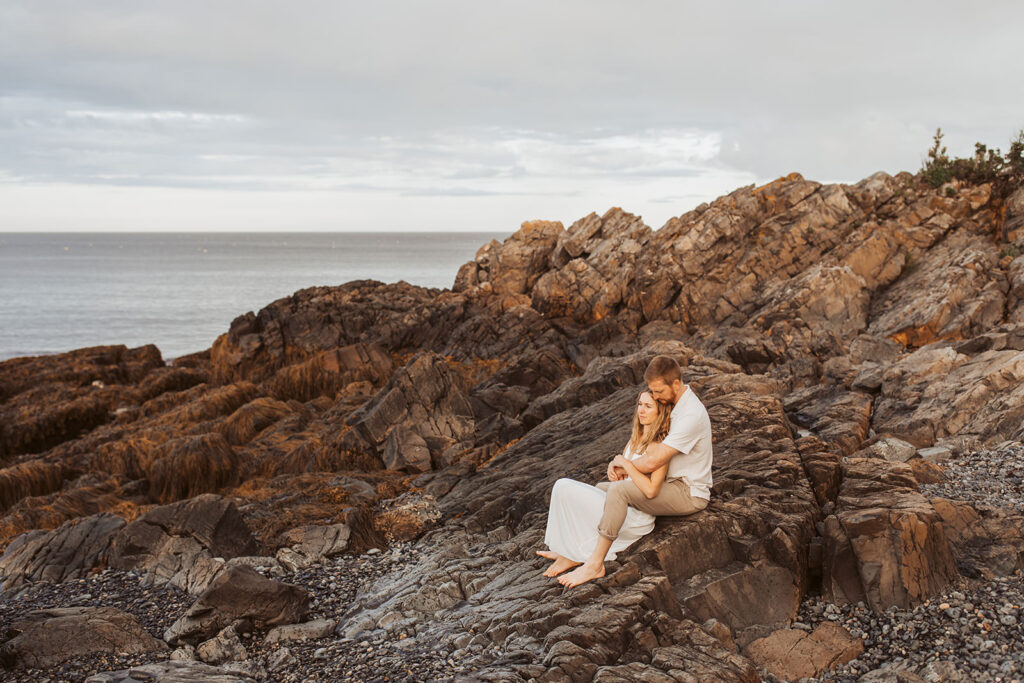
x: 986, y: 166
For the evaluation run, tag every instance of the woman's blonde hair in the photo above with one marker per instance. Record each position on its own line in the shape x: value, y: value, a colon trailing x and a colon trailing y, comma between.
x: 638, y: 441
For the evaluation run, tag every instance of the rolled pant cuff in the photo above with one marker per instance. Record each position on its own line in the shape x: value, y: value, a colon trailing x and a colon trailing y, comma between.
x: 605, y: 535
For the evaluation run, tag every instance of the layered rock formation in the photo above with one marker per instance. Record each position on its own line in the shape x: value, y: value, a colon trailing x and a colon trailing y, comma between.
x: 832, y: 331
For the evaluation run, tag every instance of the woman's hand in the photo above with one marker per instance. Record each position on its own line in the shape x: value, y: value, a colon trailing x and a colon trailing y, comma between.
x: 620, y: 461
x: 616, y: 472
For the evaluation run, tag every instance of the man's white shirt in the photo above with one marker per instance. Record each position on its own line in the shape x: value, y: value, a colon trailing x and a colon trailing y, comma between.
x: 690, y: 434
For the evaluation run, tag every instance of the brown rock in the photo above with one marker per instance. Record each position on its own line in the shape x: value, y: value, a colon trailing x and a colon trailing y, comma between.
x: 68, y: 552
x: 327, y: 372
x: 936, y: 392
x: 189, y: 466
x: 949, y: 295
x: 889, y: 448
x: 43, y: 638
x: 425, y: 398
x: 239, y: 593
x: 791, y: 654
x: 839, y: 418
x: 248, y: 421
x: 31, y: 478
x: 993, y: 539
x: 748, y: 599
x: 515, y: 265
x: 886, y: 545
x: 226, y: 646
x: 47, y: 400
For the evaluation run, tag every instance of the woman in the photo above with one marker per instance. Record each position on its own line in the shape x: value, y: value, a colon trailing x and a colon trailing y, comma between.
x: 576, y: 507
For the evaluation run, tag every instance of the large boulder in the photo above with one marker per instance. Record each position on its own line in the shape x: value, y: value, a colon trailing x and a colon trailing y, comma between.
x: 791, y: 654
x: 239, y: 592
x: 67, y: 552
x: 886, y: 545
x: 185, y: 543
x: 47, y: 637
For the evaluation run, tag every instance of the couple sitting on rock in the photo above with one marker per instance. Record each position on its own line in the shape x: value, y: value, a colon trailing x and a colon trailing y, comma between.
x: 665, y: 469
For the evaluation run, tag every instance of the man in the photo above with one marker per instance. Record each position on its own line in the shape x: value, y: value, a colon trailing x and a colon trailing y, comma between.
x: 686, y: 449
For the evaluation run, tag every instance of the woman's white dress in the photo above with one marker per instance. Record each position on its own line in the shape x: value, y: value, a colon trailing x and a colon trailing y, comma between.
x: 573, y: 516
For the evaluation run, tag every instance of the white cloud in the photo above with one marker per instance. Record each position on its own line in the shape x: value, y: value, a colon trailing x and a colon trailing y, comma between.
x: 530, y: 108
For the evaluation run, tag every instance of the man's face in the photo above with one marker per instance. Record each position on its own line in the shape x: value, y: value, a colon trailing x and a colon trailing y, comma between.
x: 664, y: 393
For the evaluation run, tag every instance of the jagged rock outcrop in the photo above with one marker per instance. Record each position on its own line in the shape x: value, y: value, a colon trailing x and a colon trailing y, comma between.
x: 184, y: 544
x: 420, y: 412
x: 886, y: 544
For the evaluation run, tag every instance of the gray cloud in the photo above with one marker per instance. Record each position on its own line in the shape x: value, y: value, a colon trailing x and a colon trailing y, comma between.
x: 497, y: 99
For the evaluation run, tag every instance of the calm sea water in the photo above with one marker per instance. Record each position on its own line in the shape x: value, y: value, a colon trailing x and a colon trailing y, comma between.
x: 180, y: 291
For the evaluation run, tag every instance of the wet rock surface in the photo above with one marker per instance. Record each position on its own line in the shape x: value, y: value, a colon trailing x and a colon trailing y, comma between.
x: 388, y: 451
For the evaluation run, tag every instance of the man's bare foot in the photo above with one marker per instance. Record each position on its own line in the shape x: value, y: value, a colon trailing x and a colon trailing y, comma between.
x: 559, y: 566
x: 581, y: 574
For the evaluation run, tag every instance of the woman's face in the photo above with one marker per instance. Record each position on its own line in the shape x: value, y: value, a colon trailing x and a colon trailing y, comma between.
x: 646, y: 408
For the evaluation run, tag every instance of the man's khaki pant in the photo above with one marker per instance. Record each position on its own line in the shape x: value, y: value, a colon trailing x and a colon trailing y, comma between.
x: 673, y: 499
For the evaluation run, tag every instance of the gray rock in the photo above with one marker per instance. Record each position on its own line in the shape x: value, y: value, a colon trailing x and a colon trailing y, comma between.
x: 239, y: 593
x: 226, y: 646
x: 311, y: 630
x: 171, y: 672
x: 67, y: 552
x: 891, y: 449
x: 308, y: 544
x: 184, y: 543
x: 935, y: 454
x: 47, y: 637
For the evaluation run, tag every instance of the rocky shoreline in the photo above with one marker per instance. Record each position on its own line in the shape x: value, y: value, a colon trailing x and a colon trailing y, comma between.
x: 971, y: 632
x: 350, y: 483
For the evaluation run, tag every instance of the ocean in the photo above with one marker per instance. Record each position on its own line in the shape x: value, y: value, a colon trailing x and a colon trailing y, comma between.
x: 180, y: 291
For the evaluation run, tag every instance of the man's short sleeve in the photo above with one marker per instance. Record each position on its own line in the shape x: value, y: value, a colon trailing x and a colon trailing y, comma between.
x: 684, y: 435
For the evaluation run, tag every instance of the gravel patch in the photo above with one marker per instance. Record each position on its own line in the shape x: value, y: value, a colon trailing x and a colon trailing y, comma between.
x: 993, y: 478
x: 332, y: 584
x: 977, y: 626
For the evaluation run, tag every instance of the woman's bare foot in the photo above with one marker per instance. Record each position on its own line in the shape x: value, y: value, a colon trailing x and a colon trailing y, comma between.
x: 559, y: 566
x: 560, y: 563
x: 581, y: 574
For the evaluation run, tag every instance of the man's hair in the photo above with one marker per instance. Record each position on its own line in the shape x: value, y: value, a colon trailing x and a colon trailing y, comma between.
x: 664, y: 368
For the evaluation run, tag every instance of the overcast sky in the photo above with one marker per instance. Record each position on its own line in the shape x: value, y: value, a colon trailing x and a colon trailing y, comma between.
x: 474, y: 115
